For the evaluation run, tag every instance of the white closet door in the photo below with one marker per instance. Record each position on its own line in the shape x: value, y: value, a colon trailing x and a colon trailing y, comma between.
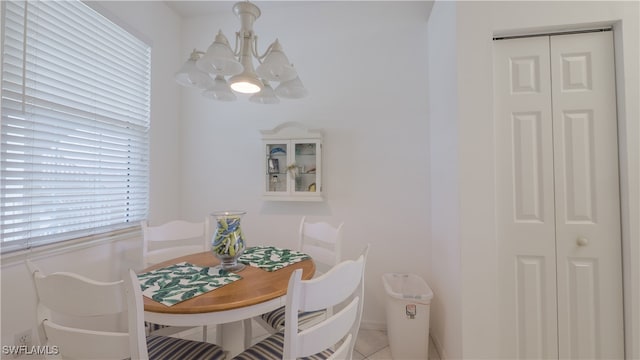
x: 524, y: 198
x: 587, y: 197
x: 557, y: 198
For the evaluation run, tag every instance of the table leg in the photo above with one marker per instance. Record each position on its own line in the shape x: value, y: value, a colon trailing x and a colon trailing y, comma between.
x: 231, y: 337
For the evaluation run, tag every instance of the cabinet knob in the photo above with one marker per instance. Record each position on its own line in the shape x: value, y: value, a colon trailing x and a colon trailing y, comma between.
x: 582, y: 241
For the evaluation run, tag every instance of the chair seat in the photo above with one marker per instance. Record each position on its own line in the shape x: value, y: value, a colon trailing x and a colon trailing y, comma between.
x: 275, y: 318
x: 170, y: 348
x: 272, y: 348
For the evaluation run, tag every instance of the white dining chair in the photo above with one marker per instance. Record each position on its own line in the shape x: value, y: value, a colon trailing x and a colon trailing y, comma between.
x: 341, y: 288
x: 170, y: 240
x: 80, y: 317
x: 322, y: 241
x: 173, y: 239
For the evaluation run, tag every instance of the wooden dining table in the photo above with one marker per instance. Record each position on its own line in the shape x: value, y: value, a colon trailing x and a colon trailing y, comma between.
x: 258, y: 292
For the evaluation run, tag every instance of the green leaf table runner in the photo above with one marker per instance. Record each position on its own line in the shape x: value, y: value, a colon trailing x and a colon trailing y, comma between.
x: 183, y: 281
x: 271, y: 258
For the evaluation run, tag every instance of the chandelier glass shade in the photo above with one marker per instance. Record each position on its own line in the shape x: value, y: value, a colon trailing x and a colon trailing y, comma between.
x: 221, y: 72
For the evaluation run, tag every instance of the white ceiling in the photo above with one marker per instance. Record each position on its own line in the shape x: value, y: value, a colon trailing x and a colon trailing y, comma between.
x: 204, y: 7
x: 200, y: 7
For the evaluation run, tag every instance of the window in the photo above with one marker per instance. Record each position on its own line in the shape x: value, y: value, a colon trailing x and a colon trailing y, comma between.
x: 75, y: 123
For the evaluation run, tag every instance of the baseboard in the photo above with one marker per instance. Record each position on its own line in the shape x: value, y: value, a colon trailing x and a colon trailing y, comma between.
x: 438, y: 346
x: 370, y: 325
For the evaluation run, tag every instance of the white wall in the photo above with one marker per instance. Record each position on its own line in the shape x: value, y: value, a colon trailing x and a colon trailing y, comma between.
x: 160, y: 27
x: 446, y: 311
x: 364, y: 64
x: 476, y: 23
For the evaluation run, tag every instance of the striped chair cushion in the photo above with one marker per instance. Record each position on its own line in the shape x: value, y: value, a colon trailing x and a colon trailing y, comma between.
x: 275, y: 318
x: 271, y: 349
x: 170, y: 348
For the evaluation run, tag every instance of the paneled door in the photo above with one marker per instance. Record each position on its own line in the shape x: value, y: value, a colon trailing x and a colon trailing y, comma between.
x: 558, y: 212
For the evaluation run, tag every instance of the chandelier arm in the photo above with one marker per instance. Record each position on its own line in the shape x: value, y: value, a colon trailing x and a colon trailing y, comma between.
x: 261, y: 57
x: 236, y: 50
x: 254, y: 48
x: 255, y: 51
x: 196, y: 54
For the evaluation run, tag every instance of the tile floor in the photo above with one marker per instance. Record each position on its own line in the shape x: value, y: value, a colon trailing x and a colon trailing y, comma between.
x: 370, y: 345
x: 374, y: 345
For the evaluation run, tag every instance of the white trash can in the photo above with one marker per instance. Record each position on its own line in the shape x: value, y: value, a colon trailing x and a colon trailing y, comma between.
x: 407, y: 309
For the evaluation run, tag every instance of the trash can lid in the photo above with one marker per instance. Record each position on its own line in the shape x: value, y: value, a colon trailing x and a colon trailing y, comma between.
x: 406, y: 286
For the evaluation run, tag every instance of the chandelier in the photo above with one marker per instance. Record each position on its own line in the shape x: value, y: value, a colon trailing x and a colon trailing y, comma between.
x: 221, y: 71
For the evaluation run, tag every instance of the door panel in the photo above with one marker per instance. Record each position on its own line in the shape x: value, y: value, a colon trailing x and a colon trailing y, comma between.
x: 577, y: 148
x: 587, y: 198
x: 525, y: 209
x: 582, y: 316
x: 532, y: 309
x: 527, y: 167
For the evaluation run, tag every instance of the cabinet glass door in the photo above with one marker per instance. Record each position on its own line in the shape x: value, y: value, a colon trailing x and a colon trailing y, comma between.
x: 306, y: 158
x: 276, y: 168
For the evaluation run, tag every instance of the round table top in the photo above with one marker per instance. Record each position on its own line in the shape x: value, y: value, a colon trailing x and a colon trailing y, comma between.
x: 256, y: 286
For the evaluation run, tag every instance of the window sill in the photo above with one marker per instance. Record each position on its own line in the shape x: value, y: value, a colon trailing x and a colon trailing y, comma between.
x: 13, y: 257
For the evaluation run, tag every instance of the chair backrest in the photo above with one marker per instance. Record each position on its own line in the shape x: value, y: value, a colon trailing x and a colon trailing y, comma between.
x: 65, y: 299
x: 341, y: 286
x: 360, y: 292
x: 322, y: 241
x: 174, y: 238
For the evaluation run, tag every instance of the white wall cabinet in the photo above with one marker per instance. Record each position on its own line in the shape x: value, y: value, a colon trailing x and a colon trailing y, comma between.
x: 292, y: 163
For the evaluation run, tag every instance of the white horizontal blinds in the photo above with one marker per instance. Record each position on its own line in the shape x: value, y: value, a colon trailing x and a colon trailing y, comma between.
x: 75, y: 122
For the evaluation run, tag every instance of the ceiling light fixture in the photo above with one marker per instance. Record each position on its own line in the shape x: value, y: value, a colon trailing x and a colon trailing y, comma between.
x: 207, y: 70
